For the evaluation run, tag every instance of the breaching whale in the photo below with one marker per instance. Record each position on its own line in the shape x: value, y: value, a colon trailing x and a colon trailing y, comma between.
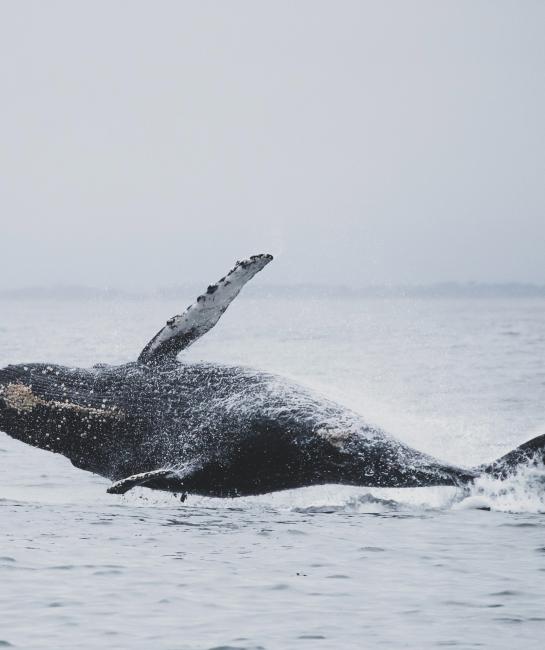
x: 212, y: 429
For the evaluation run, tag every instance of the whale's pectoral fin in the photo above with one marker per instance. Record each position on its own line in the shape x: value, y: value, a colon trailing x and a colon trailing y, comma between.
x: 200, y: 317
x: 159, y: 479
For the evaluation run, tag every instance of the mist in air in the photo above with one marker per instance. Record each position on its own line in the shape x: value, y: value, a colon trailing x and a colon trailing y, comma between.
x: 362, y: 143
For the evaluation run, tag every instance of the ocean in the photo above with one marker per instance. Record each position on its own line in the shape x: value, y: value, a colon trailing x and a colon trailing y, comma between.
x: 330, y: 567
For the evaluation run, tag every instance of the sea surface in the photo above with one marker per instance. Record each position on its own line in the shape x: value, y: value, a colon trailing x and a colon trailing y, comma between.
x: 318, y: 568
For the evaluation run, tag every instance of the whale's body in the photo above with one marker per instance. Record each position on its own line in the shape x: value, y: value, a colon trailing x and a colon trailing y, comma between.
x: 230, y: 431
x: 211, y: 429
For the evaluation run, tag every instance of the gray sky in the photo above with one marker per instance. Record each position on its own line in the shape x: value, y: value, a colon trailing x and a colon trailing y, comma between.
x: 153, y: 143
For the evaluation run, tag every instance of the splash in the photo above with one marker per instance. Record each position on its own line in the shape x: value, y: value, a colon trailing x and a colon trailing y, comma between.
x: 363, y: 503
x: 523, y: 491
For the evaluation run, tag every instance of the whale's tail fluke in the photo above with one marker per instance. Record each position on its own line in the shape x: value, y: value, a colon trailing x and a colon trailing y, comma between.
x: 531, y: 452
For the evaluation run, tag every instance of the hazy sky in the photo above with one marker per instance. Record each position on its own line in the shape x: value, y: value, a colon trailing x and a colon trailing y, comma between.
x: 153, y: 143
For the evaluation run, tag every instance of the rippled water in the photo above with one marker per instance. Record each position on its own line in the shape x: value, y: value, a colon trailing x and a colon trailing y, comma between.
x: 329, y: 567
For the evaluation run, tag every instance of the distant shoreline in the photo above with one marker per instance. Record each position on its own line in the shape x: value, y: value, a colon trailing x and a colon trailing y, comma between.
x: 440, y: 290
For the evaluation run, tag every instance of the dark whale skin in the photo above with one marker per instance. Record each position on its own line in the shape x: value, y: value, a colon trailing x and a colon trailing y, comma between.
x: 225, y: 431
x: 211, y: 429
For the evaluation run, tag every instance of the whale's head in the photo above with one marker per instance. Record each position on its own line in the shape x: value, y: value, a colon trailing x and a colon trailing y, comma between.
x: 25, y: 412
x: 21, y: 410
x: 39, y: 407
x: 12, y: 400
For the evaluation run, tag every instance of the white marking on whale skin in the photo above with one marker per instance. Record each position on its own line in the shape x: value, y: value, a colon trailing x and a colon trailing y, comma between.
x: 21, y: 398
x: 337, y: 437
x: 202, y: 315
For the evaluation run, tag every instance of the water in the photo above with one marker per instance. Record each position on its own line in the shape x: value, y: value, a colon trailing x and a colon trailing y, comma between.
x: 328, y: 567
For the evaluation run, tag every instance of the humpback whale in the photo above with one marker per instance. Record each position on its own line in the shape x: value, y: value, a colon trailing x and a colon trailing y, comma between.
x: 211, y: 429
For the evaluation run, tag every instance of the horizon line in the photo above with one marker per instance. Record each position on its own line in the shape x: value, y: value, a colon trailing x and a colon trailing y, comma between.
x: 439, y: 289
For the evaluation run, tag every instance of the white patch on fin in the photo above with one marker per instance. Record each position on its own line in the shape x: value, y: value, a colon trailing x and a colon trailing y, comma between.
x: 200, y: 317
x: 126, y: 484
